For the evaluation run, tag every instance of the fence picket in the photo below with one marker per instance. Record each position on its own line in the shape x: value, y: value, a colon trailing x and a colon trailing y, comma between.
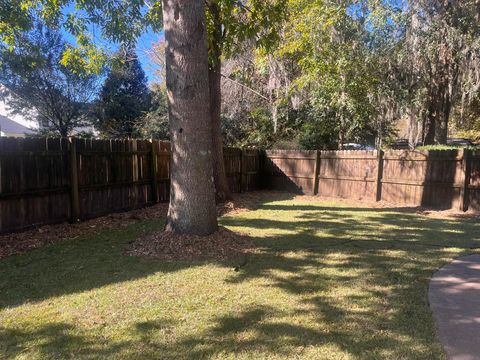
x: 45, y: 181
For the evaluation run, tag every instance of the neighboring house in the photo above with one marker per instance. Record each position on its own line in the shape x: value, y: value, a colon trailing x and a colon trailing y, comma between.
x: 11, y: 123
x: 25, y: 124
x: 9, y: 127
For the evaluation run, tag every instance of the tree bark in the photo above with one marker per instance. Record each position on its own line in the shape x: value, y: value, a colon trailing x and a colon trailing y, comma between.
x: 439, y: 111
x: 429, y: 126
x: 443, y: 82
x: 443, y: 105
x: 341, y: 139
x: 192, y: 207
x: 222, y: 190
x: 443, y: 115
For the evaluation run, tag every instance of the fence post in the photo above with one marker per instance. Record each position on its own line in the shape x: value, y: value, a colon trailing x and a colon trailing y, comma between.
x: 74, y: 196
x: 316, y: 172
x: 466, y: 172
x: 154, y: 170
x: 261, y: 182
x: 242, y: 170
x: 378, y: 181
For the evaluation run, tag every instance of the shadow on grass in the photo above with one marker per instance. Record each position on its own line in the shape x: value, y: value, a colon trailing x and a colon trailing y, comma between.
x: 256, y: 330
x: 77, y: 265
x: 358, y: 278
x: 91, y: 261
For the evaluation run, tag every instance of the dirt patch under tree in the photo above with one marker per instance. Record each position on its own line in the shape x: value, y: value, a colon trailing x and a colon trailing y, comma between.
x: 18, y: 242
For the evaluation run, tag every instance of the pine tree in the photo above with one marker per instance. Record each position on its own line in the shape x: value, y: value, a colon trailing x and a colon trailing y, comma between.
x: 192, y: 190
x: 125, y: 97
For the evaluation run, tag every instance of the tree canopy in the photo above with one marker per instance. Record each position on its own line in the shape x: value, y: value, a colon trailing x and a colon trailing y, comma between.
x: 353, y: 70
x: 323, y: 72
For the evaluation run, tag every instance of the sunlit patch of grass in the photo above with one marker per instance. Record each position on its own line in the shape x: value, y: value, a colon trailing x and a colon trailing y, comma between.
x: 329, y: 281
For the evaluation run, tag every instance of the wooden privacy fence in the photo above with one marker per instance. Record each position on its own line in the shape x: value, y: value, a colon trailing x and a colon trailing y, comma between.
x: 54, y: 180
x: 46, y: 181
x: 441, y: 179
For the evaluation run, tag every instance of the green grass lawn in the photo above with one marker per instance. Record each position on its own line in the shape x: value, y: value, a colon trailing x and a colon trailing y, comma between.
x: 328, y: 281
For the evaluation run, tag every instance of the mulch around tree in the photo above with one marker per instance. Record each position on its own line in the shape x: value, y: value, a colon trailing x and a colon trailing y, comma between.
x: 222, y: 245
x: 19, y: 242
x: 168, y: 245
x: 16, y: 243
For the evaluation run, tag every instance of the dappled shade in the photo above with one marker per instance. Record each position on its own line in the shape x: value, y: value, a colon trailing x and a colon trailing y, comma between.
x: 327, y: 281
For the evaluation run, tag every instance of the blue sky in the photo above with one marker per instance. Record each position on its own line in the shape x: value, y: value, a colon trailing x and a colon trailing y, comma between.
x: 144, y: 45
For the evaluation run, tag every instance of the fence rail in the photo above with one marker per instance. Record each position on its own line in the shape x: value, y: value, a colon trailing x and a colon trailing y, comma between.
x: 46, y: 180
x: 441, y: 179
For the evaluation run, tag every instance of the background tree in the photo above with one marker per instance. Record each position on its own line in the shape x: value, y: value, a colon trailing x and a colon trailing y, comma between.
x: 246, y: 118
x: 155, y: 123
x: 338, y: 66
x: 415, y: 59
x: 321, y: 85
x: 229, y: 23
x: 440, y: 63
x: 58, y: 99
x: 125, y: 97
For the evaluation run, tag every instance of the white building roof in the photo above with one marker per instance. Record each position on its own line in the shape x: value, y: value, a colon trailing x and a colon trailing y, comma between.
x: 10, y: 127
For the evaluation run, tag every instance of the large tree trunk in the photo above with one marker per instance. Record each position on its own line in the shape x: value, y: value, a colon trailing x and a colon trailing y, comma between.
x: 192, y: 207
x: 438, y: 111
x: 429, y: 126
x: 443, y: 115
x: 443, y: 107
x: 341, y: 139
x: 222, y: 190
x: 445, y: 77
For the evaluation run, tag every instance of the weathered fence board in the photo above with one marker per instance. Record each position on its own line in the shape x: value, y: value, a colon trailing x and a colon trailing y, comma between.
x: 233, y: 168
x: 348, y: 174
x: 473, y: 191
x: 113, y: 175
x: 34, y: 182
x: 250, y: 174
x: 289, y: 170
x: 422, y: 178
x: 55, y: 180
x: 441, y: 179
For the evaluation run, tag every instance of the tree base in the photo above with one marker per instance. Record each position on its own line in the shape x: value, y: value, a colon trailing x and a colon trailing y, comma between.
x: 169, y: 245
x: 222, y: 197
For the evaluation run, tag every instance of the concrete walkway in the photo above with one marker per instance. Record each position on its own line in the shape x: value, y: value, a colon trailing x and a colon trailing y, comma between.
x: 454, y: 296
